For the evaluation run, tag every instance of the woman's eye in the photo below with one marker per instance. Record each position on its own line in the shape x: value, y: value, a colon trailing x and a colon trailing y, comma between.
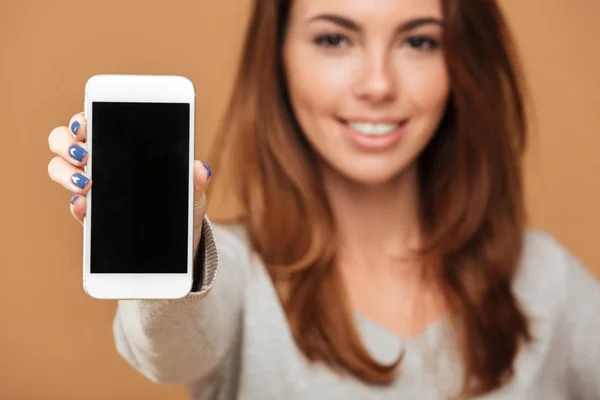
x: 422, y: 43
x: 333, y: 40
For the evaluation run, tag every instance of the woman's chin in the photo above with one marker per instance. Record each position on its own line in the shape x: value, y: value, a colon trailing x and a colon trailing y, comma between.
x: 373, y: 180
x: 372, y: 175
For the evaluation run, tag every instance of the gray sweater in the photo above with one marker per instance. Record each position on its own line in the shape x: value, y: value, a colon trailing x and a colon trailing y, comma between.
x: 231, y: 340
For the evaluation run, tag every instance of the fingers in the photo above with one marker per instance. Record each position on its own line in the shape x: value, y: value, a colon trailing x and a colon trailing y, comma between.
x: 201, y: 179
x: 69, y: 176
x: 202, y: 174
x: 78, y: 127
x: 78, y: 207
x: 64, y: 144
x: 68, y: 143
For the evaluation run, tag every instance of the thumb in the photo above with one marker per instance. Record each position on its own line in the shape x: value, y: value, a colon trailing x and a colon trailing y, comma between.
x: 202, y: 174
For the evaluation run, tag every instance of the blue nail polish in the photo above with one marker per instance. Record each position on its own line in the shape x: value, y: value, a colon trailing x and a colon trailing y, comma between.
x: 208, y: 168
x: 74, y: 126
x: 77, y: 152
x: 79, y: 180
x: 75, y: 196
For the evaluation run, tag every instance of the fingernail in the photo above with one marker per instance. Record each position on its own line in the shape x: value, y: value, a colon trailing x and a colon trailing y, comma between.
x: 208, y: 169
x: 75, y: 196
x: 77, y: 152
x: 80, y: 180
x: 74, y: 126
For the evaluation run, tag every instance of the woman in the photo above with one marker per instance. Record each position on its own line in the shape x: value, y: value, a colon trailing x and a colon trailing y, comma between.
x: 375, y: 148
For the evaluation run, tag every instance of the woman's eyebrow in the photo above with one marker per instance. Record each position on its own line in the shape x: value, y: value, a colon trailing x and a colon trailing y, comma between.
x: 351, y: 25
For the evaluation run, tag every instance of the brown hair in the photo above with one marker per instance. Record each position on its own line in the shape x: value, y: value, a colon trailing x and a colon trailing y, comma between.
x: 471, y: 197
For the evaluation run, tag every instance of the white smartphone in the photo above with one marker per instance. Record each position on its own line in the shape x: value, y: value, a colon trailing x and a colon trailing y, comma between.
x: 138, y: 228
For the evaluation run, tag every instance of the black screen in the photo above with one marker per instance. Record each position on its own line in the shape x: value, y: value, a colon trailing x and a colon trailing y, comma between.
x: 140, y: 166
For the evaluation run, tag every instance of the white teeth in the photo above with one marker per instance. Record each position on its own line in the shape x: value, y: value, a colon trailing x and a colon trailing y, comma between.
x: 373, y: 129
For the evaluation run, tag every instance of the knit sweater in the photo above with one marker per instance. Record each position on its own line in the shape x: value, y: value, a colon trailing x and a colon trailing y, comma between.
x: 230, y: 339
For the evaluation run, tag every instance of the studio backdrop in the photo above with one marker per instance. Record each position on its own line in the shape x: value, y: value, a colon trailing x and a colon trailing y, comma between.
x: 56, y: 342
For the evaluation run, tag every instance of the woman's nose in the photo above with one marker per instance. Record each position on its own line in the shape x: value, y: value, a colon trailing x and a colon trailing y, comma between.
x: 376, y: 82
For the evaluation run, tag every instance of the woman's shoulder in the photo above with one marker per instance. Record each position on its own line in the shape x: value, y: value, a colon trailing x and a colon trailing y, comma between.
x: 543, y: 253
x: 545, y: 256
x: 549, y: 274
x: 561, y: 299
x: 230, y: 235
x: 230, y: 230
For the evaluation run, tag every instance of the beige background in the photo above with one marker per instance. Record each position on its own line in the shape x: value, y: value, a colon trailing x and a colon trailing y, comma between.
x: 55, y: 342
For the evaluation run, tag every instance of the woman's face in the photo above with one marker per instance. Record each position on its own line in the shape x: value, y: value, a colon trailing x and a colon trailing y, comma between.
x: 367, y: 81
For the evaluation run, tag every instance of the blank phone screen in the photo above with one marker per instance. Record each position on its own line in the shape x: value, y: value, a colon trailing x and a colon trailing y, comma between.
x: 139, y: 196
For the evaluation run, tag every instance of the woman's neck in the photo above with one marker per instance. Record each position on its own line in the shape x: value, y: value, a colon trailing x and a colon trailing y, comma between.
x: 375, y: 224
x: 377, y: 227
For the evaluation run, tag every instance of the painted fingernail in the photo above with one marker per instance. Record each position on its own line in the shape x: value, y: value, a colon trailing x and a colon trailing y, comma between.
x: 75, y: 196
x: 80, y: 180
x: 74, y: 126
x: 77, y: 152
x: 208, y: 169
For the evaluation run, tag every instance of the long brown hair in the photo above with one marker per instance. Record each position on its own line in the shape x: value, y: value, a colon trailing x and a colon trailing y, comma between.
x: 470, y: 184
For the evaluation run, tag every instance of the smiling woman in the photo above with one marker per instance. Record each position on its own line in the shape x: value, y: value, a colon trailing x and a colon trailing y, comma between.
x: 375, y: 147
x: 378, y: 156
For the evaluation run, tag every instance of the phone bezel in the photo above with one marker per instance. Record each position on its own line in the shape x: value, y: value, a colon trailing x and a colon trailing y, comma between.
x: 150, y: 89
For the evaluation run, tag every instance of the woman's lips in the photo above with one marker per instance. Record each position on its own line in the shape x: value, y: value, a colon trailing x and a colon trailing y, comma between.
x: 371, y: 142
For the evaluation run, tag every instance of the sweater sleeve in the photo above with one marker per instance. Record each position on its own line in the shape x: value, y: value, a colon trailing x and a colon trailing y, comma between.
x: 190, y: 338
x: 583, y: 325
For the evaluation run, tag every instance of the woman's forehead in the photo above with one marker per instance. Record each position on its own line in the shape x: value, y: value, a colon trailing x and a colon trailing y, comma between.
x: 367, y: 10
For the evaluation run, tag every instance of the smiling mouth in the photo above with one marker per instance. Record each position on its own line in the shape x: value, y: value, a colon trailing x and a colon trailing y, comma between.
x: 373, y: 128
